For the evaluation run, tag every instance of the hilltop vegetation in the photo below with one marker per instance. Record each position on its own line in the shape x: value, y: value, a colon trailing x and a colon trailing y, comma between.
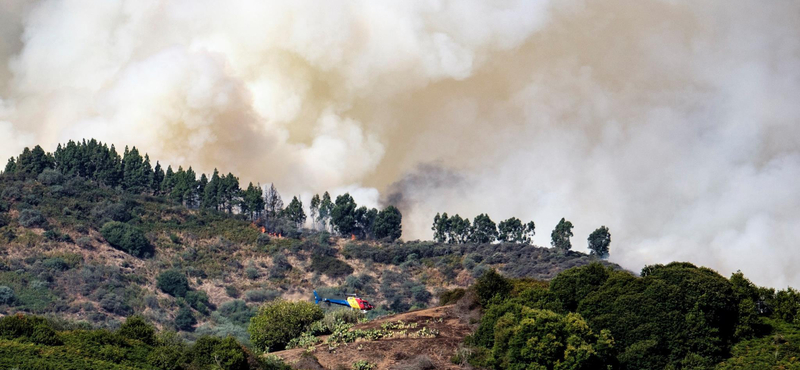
x: 675, y: 316
x: 127, y: 269
x: 90, y: 235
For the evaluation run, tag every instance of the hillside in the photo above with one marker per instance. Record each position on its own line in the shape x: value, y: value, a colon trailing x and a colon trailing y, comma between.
x: 404, y: 349
x: 56, y: 259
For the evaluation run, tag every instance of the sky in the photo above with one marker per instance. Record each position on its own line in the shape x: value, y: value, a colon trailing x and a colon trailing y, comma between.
x: 673, y: 123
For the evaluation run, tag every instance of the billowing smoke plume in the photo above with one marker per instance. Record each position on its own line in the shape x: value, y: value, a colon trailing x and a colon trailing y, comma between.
x: 674, y: 123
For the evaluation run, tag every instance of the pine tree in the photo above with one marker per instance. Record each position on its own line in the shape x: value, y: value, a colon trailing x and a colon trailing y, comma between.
x: 294, y: 212
x: 211, y: 192
x: 169, y: 182
x: 273, y: 202
x: 229, y: 190
x: 11, y: 166
x: 158, y: 178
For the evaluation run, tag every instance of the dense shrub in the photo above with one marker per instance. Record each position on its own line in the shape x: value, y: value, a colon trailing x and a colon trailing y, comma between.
x: 330, y: 266
x: 7, y: 295
x: 108, y: 211
x: 173, y: 282
x: 490, y: 285
x: 252, y: 273
x: 278, y: 322
x: 232, y: 291
x: 185, y: 320
x: 32, y: 218
x: 54, y: 235
x: 574, y: 285
x: 198, y: 300
x: 115, y: 304
x: 260, y: 295
x: 549, y: 340
x: 136, y: 328
x: 262, y: 240
x: 84, y: 242
x: 280, y: 266
x: 236, y: 311
x: 451, y: 296
x: 127, y: 238
x: 51, y: 177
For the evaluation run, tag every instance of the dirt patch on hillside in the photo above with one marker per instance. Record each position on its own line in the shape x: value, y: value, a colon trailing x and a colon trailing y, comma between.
x: 394, y: 352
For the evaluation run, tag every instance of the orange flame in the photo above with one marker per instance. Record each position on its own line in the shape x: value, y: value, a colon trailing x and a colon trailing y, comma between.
x: 352, y: 236
x: 263, y: 229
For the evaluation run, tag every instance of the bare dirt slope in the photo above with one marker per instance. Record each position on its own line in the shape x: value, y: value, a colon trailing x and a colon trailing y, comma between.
x: 399, y: 351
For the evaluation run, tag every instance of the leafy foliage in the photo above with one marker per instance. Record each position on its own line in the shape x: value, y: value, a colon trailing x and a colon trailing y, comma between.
x: 127, y: 238
x: 173, y: 282
x: 278, y: 322
x: 561, y: 234
x: 599, y: 240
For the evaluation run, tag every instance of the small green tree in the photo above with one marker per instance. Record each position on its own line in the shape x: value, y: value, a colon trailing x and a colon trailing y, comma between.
x: 599, y: 241
x: 294, y: 212
x: 127, y: 238
x: 484, y: 229
x: 561, y: 234
x: 185, y: 320
x: 280, y: 321
x: 173, y: 282
x: 388, y: 224
x: 343, y: 215
x: 136, y: 328
x: 491, y: 284
x: 459, y: 230
x: 511, y: 230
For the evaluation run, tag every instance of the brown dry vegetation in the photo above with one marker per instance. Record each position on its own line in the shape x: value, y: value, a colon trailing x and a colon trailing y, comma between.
x: 399, y: 352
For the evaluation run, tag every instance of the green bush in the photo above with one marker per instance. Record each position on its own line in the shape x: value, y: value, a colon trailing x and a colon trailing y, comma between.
x: 236, y: 311
x: 29, y: 329
x: 278, y: 322
x: 451, y: 296
x: 185, y: 320
x: 232, y: 291
x: 51, y: 177
x: 280, y: 266
x: 198, y: 300
x: 173, y: 282
x: 573, y: 285
x: 363, y: 365
x: 32, y: 218
x: 7, y: 295
x: 330, y: 266
x: 490, y: 285
x: 127, y: 238
x: 549, y: 340
x: 136, y: 328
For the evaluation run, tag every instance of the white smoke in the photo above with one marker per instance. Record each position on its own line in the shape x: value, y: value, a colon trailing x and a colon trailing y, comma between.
x: 674, y: 123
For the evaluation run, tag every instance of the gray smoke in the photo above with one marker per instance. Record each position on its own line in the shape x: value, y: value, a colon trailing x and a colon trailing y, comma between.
x: 674, y: 123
